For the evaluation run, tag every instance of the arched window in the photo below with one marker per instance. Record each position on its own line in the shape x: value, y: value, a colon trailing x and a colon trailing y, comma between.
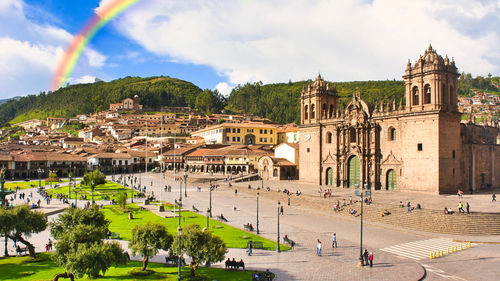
x: 330, y: 114
x: 275, y: 172
x: 427, y: 94
x: 451, y: 95
x: 323, y: 111
x: 352, y: 135
x: 312, y: 112
x: 306, y: 112
x: 443, y: 94
x: 414, y: 95
x: 391, y: 134
x: 328, y: 137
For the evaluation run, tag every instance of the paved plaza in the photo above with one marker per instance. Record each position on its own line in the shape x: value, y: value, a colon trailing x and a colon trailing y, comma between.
x: 399, y: 254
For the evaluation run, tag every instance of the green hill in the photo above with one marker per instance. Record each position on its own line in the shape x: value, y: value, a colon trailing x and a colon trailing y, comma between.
x: 154, y: 92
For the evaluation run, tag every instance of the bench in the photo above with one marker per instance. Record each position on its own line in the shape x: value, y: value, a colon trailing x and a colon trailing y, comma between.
x: 195, y: 209
x: 257, y: 245
x: 173, y: 260
x: 20, y: 250
x: 234, y: 264
x: 114, y: 235
x: 289, y: 241
x: 221, y: 218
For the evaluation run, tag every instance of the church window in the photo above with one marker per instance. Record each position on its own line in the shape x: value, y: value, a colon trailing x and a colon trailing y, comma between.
x: 275, y: 172
x: 328, y: 137
x: 323, y: 111
x: 443, y: 94
x: 330, y: 114
x: 306, y: 113
x: 308, y: 149
x: 451, y: 95
x: 312, y: 112
x: 392, y: 134
x: 453, y: 153
x: 427, y: 94
x: 414, y: 96
x: 419, y: 147
x: 352, y: 135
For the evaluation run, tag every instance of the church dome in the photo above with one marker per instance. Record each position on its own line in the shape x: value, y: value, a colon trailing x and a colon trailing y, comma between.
x: 432, y: 57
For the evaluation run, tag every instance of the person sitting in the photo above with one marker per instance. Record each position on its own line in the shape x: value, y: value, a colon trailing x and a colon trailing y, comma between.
x: 446, y: 212
x: 401, y: 204
x: 222, y: 217
x: 419, y: 206
x: 250, y: 226
x: 352, y: 211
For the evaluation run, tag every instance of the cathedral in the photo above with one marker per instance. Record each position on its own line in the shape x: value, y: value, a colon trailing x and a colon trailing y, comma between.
x: 417, y: 145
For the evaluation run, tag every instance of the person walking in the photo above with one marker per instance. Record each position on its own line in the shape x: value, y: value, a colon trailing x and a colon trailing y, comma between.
x: 365, y: 256
x: 468, y: 208
x: 460, y: 208
x: 249, y: 248
x: 409, y: 206
x: 318, y: 248
x: 334, y: 240
x: 493, y: 198
x: 281, y: 210
x: 370, y: 258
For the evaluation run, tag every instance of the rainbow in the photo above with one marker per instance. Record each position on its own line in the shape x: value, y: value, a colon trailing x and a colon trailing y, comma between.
x: 80, y: 41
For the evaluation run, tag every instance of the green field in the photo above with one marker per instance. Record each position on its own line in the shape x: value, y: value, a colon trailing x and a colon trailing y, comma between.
x: 27, y: 184
x: 233, y: 237
x: 45, y: 269
x: 109, y: 189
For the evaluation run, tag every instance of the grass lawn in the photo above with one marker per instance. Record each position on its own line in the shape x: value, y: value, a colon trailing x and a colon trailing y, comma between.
x: 45, y: 269
x: 109, y: 189
x: 27, y: 184
x: 233, y: 237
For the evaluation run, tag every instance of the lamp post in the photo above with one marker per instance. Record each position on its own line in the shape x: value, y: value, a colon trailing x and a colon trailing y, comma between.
x: 278, y: 236
x: 210, y: 201
x: 258, y: 214
x: 179, y: 233
x: 208, y: 219
x: 39, y: 176
x: 185, y: 184
x: 361, y: 231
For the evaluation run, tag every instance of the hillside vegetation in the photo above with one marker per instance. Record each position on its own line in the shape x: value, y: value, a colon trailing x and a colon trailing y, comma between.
x: 278, y: 102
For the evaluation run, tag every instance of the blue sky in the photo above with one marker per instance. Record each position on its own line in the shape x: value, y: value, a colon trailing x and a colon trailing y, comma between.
x: 219, y: 44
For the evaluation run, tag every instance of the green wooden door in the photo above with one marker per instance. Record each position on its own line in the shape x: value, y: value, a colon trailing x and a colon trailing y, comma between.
x: 329, y: 176
x: 391, y: 183
x: 353, y: 170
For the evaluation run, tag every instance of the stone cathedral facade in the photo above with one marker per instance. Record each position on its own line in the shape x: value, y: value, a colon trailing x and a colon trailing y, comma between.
x: 416, y: 145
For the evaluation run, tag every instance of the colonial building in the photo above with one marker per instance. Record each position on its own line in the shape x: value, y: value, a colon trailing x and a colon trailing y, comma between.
x: 415, y: 145
x: 126, y: 104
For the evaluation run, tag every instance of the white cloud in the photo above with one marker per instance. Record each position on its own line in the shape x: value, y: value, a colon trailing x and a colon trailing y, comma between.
x: 86, y: 79
x: 224, y: 88
x: 282, y: 40
x: 30, y: 51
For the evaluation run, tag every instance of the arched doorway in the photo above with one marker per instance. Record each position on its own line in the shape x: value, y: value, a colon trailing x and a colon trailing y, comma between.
x: 353, y: 171
x: 329, y: 176
x: 390, y: 181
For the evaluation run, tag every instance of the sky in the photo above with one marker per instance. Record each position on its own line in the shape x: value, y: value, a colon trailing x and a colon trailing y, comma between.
x: 220, y: 44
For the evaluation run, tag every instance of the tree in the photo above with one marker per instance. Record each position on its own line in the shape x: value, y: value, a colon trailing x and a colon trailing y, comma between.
x: 148, y: 239
x: 201, y: 246
x: 80, y: 248
x: 20, y: 222
x: 121, y: 199
x: 5, y: 227
x: 92, y: 179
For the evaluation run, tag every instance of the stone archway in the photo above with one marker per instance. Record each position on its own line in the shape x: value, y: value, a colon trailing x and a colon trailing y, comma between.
x: 353, y: 171
x: 329, y: 176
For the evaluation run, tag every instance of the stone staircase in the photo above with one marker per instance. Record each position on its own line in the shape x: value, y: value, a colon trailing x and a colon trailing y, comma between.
x: 430, y: 220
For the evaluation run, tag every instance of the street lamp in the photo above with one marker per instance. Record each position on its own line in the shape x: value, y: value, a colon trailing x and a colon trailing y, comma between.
x: 185, y: 184
x: 210, y: 191
x: 208, y: 219
x: 179, y: 233
x: 361, y: 232
x: 39, y: 175
x: 278, y: 237
x: 258, y: 213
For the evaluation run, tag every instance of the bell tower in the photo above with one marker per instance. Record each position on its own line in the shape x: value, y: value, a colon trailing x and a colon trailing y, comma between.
x: 318, y: 102
x: 431, y: 83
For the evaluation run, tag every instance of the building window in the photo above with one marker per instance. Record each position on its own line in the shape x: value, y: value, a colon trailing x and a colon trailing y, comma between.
x: 427, y: 94
x: 392, y: 134
x: 419, y: 147
x: 265, y: 131
x: 271, y: 140
x: 306, y: 112
x: 260, y: 131
x: 453, y: 153
x: 308, y: 149
x: 234, y: 130
x: 352, y: 135
x: 234, y: 138
x: 238, y: 130
x: 260, y: 139
x: 238, y: 138
x: 227, y: 138
x: 312, y: 111
x: 270, y: 131
x: 328, y: 137
x: 415, y: 96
